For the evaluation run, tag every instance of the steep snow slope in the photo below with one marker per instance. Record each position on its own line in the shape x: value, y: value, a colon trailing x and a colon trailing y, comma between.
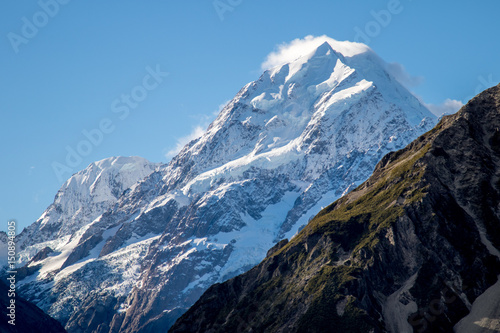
x: 289, y: 143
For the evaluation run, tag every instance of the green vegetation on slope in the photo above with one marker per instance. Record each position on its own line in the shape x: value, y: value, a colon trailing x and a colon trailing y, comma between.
x: 356, y: 220
x: 355, y: 223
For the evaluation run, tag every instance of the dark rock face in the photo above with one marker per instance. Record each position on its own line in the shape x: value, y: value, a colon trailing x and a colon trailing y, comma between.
x: 409, y: 250
x: 82, y: 250
x: 95, y: 315
x: 42, y: 254
x: 29, y: 318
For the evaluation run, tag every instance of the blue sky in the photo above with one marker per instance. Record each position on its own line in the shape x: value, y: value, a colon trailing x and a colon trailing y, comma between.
x: 66, y: 73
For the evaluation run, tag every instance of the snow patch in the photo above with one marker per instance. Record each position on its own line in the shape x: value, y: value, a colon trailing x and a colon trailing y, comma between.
x: 396, y: 313
x: 484, y: 315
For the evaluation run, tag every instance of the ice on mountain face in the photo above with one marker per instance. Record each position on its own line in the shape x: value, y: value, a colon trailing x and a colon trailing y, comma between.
x: 287, y: 145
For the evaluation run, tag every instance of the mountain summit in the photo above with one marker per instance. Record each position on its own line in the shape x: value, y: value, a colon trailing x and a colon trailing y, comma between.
x: 302, y: 135
x: 413, y: 249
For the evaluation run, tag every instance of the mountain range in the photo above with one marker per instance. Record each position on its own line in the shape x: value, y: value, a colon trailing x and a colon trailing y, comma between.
x: 129, y: 245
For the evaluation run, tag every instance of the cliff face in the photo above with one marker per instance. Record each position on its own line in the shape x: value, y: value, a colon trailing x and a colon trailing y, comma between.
x: 410, y: 250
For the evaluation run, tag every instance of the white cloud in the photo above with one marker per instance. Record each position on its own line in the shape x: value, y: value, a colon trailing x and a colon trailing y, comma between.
x: 449, y: 106
x: 406, y: 79
x: 181, y: 142
x: 288, y: 52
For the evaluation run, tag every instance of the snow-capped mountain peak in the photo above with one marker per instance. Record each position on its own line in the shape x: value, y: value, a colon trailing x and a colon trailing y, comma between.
x: 315, y: 65
x: 276, y: 119
x: 308, y: 130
